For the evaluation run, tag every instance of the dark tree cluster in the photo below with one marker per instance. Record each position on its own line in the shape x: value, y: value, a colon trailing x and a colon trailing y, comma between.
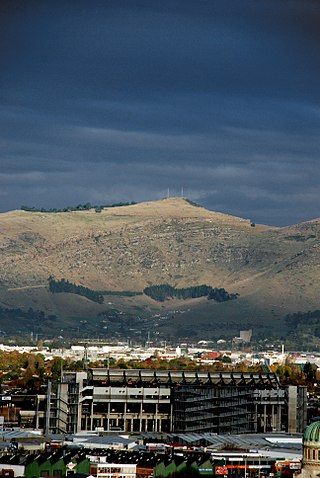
x: 63, y: 285
x: 80, y: 207
x: 293, y: 320
x: 120, y: 293
x: 31, y: 315
x: 219, y: 294
x: 163, y: 292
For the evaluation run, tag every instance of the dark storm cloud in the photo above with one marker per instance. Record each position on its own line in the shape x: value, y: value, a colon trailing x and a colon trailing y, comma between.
x: 121, y: 100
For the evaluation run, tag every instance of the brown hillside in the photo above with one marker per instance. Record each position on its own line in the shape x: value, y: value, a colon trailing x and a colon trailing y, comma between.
x: 169, y: 241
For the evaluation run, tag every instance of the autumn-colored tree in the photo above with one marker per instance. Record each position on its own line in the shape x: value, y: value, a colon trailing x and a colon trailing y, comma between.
x: 56, y: 368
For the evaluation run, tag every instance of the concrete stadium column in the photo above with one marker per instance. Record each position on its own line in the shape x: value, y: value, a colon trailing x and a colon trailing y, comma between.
x: 273, y: 418
x: 292, y: 408
x: 140, y: 418
x: 256, y: 418
x: 125, y: 417
x: 171, y: 417
x: 48, y: 408
x: 156, y: 419
x: 280, y: 417
x: 108, y: 416
x: 79, y: 417
x: 91, y: 416
x: 37, y: 412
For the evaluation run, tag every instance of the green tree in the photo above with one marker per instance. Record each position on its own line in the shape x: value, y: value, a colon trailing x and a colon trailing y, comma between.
x: 309, y: 371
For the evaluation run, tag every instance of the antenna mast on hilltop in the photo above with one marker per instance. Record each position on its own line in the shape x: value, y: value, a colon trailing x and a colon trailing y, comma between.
x: 182, y: 192
x: 168, y: 193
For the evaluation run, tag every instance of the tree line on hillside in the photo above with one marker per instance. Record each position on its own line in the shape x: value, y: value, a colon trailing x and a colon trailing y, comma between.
x: 80, y: 207
x: 163, y: 292
x: 63, y: 285
x: 29, y: 315
x: 120, y: 293
x: 304, y: 323
x: 293, y: 320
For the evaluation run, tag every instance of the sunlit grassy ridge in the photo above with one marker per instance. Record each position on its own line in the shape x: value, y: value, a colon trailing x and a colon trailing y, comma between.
x: 172, y: 241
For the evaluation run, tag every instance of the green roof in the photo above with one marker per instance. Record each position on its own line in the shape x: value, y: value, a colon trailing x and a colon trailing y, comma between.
x: 312, y: 432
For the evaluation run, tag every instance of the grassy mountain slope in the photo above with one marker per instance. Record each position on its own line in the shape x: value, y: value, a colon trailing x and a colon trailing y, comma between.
x: 275, y: 270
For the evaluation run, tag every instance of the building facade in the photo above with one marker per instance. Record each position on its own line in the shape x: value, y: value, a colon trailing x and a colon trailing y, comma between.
x: 163, y: 401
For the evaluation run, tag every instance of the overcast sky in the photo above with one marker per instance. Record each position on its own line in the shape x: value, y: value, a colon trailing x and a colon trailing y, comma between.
x: 116, y: 100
